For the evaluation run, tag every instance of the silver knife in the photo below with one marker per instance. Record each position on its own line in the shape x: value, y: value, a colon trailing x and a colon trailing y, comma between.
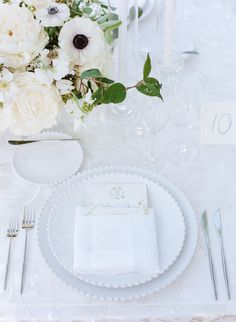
x: 21, y: 142
x: 218, y: 227
x: 211, y: 265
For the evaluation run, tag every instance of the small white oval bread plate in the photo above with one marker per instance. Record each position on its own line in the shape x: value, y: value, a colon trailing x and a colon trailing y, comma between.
x: 50, y: 162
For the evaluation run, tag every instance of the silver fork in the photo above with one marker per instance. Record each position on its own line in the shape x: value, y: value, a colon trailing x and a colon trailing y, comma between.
x: 12, y: 232
x: 28, y: 223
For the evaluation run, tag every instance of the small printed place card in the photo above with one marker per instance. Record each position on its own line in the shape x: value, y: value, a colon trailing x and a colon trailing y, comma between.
x: 113, y: 211
x: 218, y: 123
x: 117, y: 195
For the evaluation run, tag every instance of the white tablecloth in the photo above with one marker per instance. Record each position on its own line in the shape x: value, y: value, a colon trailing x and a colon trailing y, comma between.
x: 209, y: 183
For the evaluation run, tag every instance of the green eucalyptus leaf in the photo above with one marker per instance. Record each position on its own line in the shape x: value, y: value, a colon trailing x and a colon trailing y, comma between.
x: 147, y: 67
x: 87, y: 10
x: 110, y: 25
x: 108, y: 35
x: 150, y: 87
x: 116, y: 93
x: 91, y: 73
x: 103, y: 18
x: 113, y: 16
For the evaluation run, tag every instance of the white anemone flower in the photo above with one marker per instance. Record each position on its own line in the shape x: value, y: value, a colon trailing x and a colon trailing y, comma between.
x: 54, y: 15
x: 82, y: 40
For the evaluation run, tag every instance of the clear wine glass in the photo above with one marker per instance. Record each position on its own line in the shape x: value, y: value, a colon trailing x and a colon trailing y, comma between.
x: 187, y: 96
x: 143, y: 134
x: 182, y: 152
x: 187, y: 92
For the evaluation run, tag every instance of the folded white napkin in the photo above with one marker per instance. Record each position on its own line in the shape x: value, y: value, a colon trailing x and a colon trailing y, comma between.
x: 111, y: 243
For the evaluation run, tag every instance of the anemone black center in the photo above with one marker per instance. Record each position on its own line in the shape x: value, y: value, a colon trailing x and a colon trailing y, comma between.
x: 53, y: 10
x: 80, y: 41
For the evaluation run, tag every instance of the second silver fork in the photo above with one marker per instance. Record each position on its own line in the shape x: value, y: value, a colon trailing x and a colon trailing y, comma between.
x: 28, y: 223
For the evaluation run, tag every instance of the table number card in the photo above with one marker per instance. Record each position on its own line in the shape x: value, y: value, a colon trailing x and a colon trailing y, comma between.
x: 218, y: 123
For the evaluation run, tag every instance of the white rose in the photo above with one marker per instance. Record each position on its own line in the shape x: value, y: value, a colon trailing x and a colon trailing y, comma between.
x: 35, y: 107
x: 21, y: 36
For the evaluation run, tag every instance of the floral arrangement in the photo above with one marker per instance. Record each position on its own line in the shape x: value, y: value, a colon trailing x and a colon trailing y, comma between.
x: 56, y: 55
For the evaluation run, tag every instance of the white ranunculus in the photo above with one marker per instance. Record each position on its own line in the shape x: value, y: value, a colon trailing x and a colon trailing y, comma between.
x: 39, y: 4
x: 54, y: 15
x: 61, y: 66
x: 7, y: 86
x: 82, y: 40
x: 4, y: 117
x: 35, y: 107
x: 65, y: 86
x: 21, y: 36
x: 44, y: 77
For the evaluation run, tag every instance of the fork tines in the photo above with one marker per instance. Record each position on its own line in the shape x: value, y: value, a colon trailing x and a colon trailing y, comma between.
x: 28, y: 218
x: 13, y: 227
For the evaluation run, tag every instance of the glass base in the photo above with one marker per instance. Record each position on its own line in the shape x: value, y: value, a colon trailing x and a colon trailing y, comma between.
x: 121, y: 112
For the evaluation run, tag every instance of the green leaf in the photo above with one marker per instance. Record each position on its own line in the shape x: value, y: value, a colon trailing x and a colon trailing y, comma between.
x: 113, y: 16
x: 147, y: 67
x: 103, y: 18
x: 108, y: 35
x: 150, y: 87
x: 132, y: 13
x: 98, y: 95
x: 91, y: 73
x: 87, y: 10
x: 110, y: 25
x: 140, y: 12
x: 116, y: 93
x: 105, y: 80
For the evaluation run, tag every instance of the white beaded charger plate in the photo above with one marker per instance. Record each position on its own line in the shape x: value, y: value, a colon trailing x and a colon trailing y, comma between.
x: 122, y: 294
x: 48, y: 162
x: 169, y: 220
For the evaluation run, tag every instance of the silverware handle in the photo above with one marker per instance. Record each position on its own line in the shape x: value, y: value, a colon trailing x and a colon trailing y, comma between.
x: 7, y: 264
x: 24, y: 263
x: 211, y: 265
x: 16, y: 142
x: 224, y: 266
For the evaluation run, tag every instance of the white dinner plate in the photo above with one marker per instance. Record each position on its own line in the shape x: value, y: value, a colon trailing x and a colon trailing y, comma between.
x: 50, y: 162
x: 169, y: 220
x: 135, y: 292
